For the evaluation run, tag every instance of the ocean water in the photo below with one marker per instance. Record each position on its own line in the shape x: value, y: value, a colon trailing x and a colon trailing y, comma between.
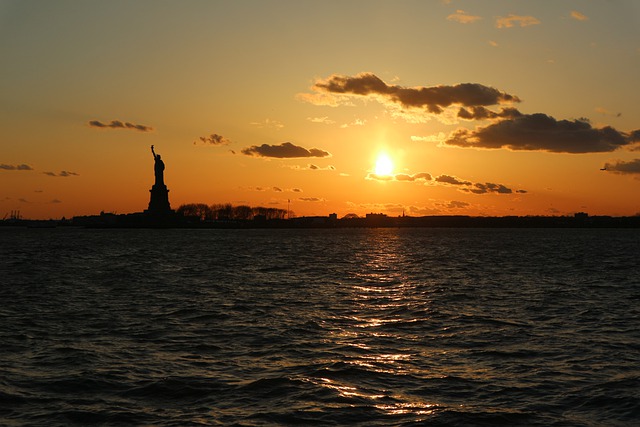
x: 370, y: 327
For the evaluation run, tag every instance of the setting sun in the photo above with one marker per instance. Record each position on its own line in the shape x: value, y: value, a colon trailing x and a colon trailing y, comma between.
x: 384, y: 165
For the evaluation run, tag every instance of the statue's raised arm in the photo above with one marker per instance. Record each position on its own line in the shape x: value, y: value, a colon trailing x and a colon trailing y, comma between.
x: 153, y: 152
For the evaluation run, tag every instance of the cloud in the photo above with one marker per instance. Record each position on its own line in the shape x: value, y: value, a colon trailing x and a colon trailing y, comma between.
x: 318, y: 168
x: 311, y: 199
x: 61, y: 174
x: 324, y: 120
x: 461, y: 17
x: 511, y: 20
x: 466, y: 186
x: 447, y: 179
x: 540, y: 132
x: 476, y: 188
x: 421, y: 176
x: 440, y: 137
x: 578, y: 16
x: 268, y: 123
x: 455, y: 204
x: 21, y: 167
x: 402, y: 177
x: 284, y: 150
x: 488, y: 187
x: 213, y: 139
x: 482, y: 113
x: 356, y: 122
x: 117, y: 124
x: 433, y: 99
x: 622, y: 167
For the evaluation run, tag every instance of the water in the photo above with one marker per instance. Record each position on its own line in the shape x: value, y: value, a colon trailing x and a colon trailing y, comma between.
x: 438, y: 327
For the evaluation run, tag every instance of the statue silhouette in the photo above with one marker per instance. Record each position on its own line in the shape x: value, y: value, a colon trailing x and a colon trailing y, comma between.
x: 158, y: 168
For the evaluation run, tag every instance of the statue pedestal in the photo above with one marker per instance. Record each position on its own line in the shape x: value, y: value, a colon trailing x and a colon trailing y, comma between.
x: 159, y: 203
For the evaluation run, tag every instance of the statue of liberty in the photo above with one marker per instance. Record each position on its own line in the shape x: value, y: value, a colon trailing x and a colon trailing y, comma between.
x: 158, y: 168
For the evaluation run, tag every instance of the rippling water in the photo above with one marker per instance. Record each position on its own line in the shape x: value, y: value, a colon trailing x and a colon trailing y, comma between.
x: 473, y: 327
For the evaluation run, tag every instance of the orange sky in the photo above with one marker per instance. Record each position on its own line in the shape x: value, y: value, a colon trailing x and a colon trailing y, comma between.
x: 480, y: 108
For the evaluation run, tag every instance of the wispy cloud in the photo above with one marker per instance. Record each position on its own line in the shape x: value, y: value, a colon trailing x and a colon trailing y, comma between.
x: 268, y: 123
x: 21, y: 167
x: 324, y: 120
x: 213, y: 139
x: 312, y: 199
x: 439, y: 137
x: 319, y: 168
x: 286, y: 150
x: 61, y: 174
x: 622, y: 167
x: 117, y: 124
x: 578, y: 16
x: 462, y: 17
x: 540, y: 132
x: 513, y: 20
x: 356, y: 122
x: 402, y: 177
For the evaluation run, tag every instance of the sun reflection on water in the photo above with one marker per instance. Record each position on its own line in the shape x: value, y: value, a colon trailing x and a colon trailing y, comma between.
x: 376, y: 334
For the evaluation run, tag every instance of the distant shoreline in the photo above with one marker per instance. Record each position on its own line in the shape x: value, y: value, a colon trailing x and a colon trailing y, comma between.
x: 142, y: 220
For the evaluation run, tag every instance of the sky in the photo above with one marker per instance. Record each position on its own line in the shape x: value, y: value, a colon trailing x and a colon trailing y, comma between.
x: 426, y: 107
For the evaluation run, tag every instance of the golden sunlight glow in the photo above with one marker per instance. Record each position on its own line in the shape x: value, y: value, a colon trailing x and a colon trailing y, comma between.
x: 384, y: 165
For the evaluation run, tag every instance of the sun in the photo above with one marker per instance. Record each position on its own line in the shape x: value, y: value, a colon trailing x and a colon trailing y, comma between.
x: 384, y: 165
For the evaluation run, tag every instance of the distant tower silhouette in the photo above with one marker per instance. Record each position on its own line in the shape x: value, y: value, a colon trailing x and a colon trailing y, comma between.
x: 159, y: 203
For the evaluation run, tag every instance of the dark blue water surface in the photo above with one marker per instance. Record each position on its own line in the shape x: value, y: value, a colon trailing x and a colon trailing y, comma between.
x: 470, y: 327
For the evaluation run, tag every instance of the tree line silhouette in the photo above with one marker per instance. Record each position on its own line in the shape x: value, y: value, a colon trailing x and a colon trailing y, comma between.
x: 226, y: 211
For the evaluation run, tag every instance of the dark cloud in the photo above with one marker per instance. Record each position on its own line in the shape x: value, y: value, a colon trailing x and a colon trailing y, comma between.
x: 117, y: 124
x: 433, y: 98
x: 488, y: 187
x: 482, y: 113
x: 476, y: 188
x: 447, y: 179
x: 213, y: 139
x: 62, y: 173
x: 285, y: 150
x: 22, y: 167
x: 541, y: 132
x: 622, y: 167
x: 466, y: 186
